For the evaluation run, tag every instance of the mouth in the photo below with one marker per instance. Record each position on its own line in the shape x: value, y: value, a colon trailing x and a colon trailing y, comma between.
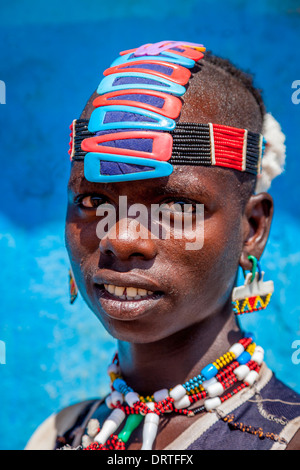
x: 128, y: 293
x: 126, y: 302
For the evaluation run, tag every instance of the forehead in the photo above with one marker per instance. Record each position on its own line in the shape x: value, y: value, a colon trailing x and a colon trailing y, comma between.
x: 191, y: 182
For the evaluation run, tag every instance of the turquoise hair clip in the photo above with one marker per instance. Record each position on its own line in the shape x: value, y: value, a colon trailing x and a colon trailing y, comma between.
x: 92, y: 168
x: 153, y: 120
x: 143, y: 81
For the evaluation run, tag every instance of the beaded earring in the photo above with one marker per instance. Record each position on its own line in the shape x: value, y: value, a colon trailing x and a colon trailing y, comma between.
x: 255, y: 294
x: 73, y: 289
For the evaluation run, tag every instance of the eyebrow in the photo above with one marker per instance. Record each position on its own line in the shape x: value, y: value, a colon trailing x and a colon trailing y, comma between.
x: 80, y: 184
x: 191, y: 186
x: 182, y: 188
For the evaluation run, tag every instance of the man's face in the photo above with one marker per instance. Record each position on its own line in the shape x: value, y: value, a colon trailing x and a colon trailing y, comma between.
x: 186, y: 286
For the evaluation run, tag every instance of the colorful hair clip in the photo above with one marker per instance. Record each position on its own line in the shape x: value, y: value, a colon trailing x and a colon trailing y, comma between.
x: 186, y: 52
x: 131, y: 51
x: 168, y: 57
x: 158, y: 68
x: 92, y: 168
x: 159, y: 47
x: 161, y: 144
x: 99, y: 119
x: 138, y: 80
x: 171, y: 106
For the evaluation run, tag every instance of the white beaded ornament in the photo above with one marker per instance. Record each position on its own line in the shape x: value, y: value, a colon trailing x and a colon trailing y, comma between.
x: 273, y: 160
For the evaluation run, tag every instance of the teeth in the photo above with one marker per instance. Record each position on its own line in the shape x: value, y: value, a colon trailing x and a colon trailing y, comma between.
x: 111, y: 289
x: 119, y: 291
x: 142, y: 292
x: 129, y: 293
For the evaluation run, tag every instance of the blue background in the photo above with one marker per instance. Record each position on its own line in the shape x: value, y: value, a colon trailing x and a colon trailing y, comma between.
x: 51, y: 59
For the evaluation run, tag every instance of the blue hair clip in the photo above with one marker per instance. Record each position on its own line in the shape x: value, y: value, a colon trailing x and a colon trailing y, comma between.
x: 152, y: 121
x: 142, y: 81
x: 92, y: 168
x: 166, y: 56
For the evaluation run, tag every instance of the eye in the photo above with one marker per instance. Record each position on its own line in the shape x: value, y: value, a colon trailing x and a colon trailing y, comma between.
x: 89, y: 201
x: 179, y: 207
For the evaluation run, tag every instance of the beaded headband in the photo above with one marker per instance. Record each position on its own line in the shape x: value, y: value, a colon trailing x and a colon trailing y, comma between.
x: 132, y: 133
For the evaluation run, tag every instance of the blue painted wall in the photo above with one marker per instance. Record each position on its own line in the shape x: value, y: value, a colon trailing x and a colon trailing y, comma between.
x: 51, y: 58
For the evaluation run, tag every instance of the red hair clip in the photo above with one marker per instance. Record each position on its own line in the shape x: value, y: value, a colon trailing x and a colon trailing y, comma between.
x: 180, y: 75
x: 171, y: 107
x: 161, y: 147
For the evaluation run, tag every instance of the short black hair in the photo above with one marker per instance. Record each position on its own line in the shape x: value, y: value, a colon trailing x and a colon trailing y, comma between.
x: 245, y: 78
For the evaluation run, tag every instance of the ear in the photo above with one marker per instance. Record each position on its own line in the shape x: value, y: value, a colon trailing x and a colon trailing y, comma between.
x: 257, y: 223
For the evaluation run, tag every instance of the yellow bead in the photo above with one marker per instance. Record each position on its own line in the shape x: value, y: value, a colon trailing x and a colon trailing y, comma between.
x: 113, y: 376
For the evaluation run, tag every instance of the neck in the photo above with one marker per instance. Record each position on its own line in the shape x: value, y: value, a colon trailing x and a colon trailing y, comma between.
x: 173, y: 360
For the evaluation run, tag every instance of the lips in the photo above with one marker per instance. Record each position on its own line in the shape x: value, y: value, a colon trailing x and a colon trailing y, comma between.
x: 126, y: 296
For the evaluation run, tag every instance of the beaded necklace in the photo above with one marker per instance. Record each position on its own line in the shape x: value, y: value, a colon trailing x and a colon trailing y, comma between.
x: 238, y: 368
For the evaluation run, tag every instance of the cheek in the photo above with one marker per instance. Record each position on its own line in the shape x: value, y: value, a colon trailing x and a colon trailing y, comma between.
x: 222, y: 249
x: 81, y: 243
x: 209, y: 273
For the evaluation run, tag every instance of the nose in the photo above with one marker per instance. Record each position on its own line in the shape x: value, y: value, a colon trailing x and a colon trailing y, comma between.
x: 128, y: 240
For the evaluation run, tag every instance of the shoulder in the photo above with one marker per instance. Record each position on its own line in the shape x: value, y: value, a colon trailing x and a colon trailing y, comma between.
x: 58, y: 424
x: 284, y: 402
x: 276, y: 409
x: 265, y: 416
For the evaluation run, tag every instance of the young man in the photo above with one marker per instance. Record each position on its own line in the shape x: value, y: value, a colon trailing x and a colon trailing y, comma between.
x: 170, y: 307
